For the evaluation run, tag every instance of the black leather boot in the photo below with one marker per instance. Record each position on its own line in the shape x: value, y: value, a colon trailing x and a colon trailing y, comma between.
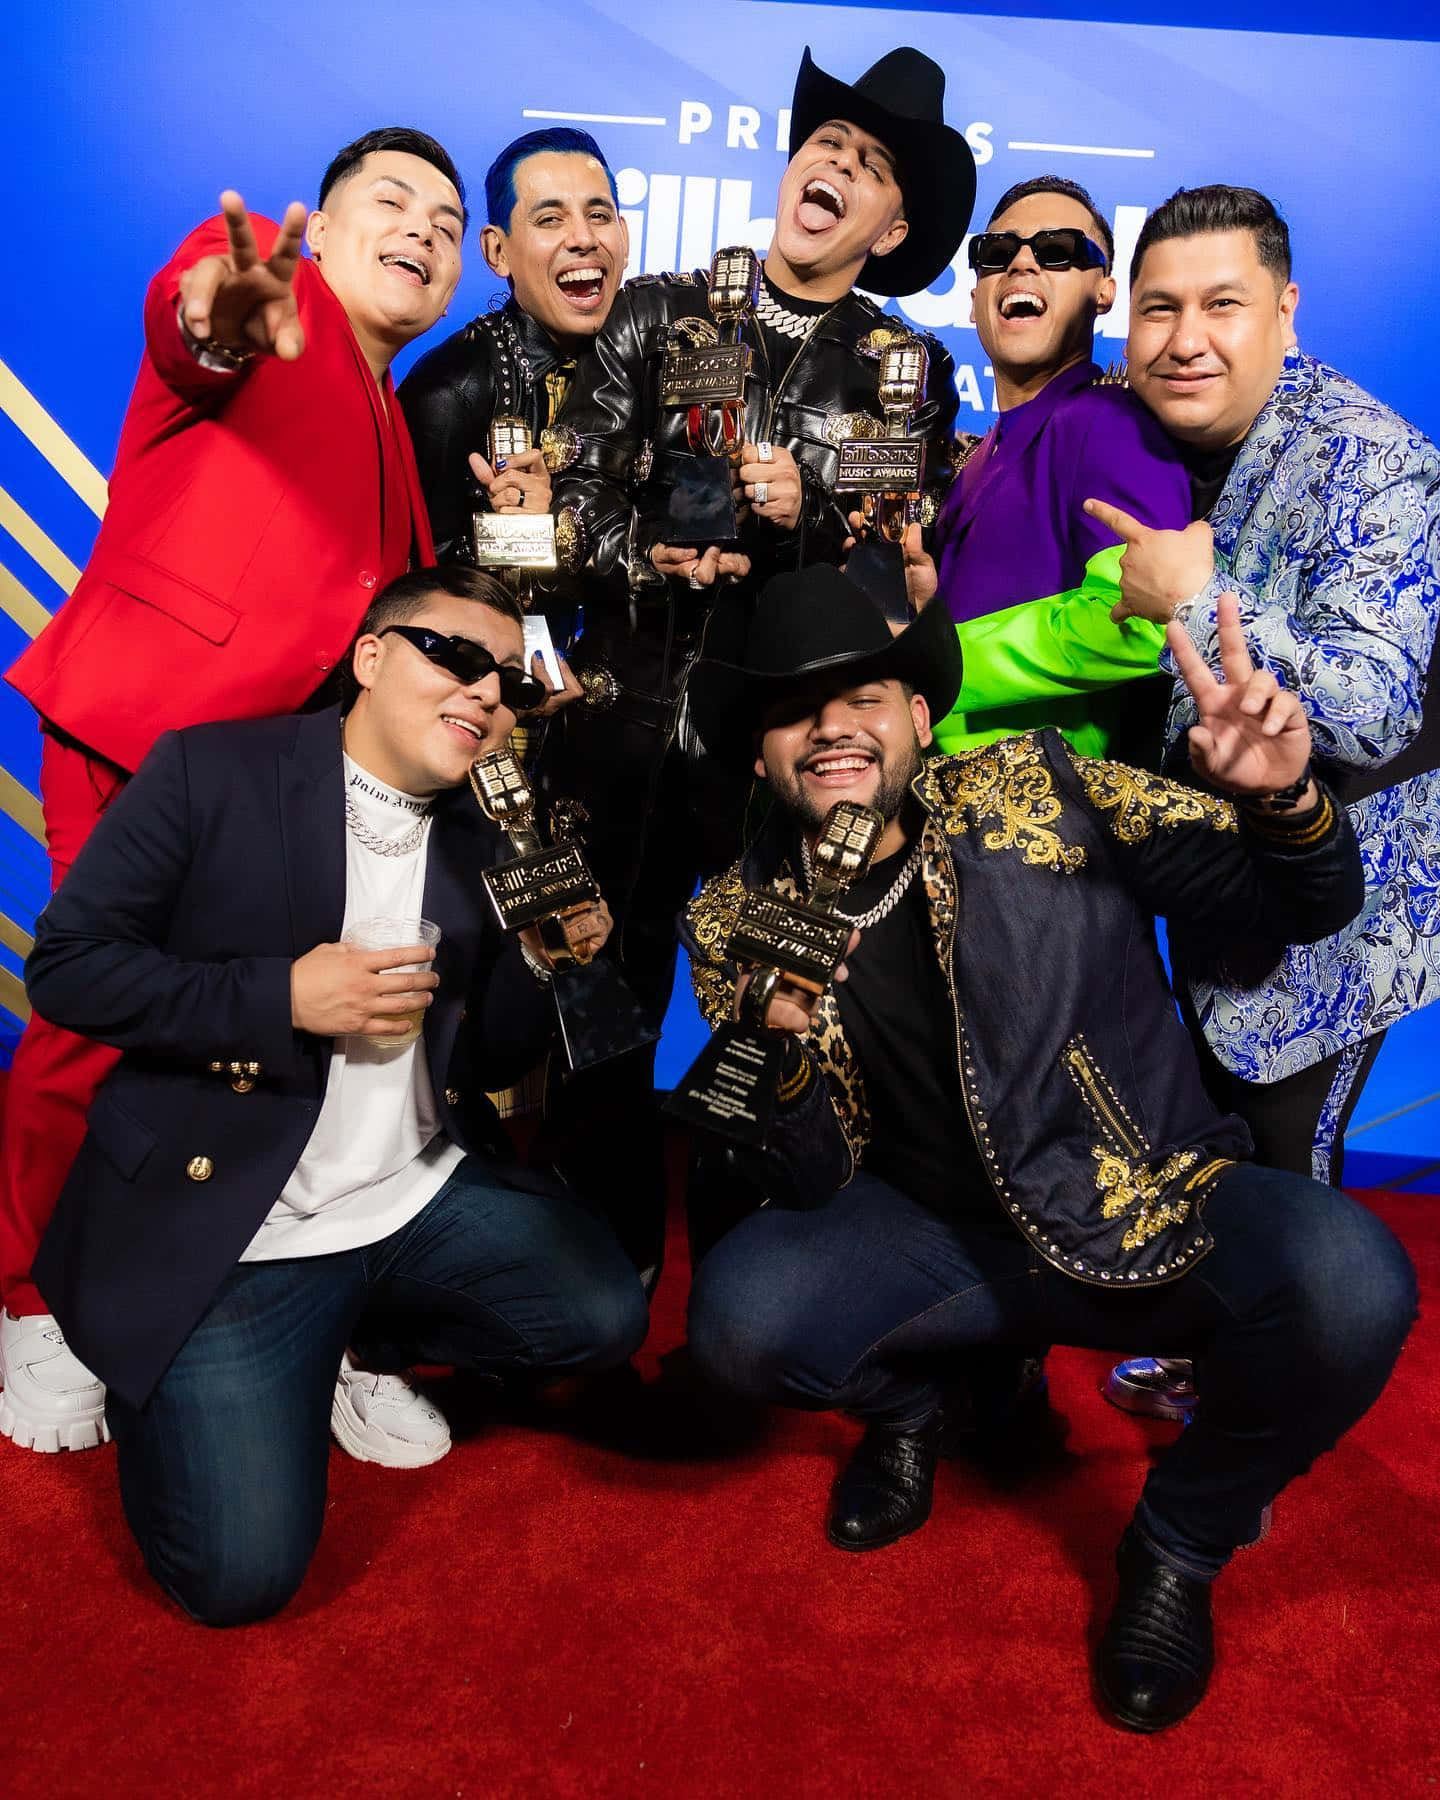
x: 1154, y: 1661
x: 885, y: 1489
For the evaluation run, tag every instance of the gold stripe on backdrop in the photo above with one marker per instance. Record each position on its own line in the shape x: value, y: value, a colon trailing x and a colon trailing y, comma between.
x: 13, y: 938
x: 12, y: 995
x: 33, y: 541
x: 64, y: 456
x: 21, y: 604
x: 22, y: 806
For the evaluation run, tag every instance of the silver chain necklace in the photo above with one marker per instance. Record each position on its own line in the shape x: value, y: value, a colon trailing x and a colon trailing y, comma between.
x: 769, y: 311
x: 382, y: 846
x: 888, y: 901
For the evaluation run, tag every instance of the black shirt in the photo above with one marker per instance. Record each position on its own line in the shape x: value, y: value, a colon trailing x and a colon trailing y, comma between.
x: 779, y: 347
x: 898, y: 1016
x: 1208, y: 470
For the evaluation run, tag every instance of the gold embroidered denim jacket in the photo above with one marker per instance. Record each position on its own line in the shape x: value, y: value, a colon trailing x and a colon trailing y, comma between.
x: 1043, y: 872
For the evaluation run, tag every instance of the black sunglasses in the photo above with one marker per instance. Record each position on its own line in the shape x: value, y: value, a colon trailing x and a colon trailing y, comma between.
x: 470, y: 662
x: 992, y: 252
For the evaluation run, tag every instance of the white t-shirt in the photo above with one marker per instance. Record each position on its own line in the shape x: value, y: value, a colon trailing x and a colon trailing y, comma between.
x: 378, y: 1153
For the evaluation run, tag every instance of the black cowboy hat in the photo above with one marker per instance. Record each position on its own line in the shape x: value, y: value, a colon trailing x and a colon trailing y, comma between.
x: 901, y: 101
x: 810, y: 622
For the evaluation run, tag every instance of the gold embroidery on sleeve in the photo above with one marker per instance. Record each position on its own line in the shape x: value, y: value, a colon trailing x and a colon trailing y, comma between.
x: 1139, y: 804
x: 1007, y: 791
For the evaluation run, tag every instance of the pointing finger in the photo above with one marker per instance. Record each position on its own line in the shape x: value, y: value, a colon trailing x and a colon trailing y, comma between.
x: 1129, y: 530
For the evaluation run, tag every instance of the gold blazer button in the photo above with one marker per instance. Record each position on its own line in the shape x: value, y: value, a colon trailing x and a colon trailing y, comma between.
x: 200, y: 1168
x: 452, y: 1096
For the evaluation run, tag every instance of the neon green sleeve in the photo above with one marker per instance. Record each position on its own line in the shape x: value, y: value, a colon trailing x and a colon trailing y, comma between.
x: 1060, y: 645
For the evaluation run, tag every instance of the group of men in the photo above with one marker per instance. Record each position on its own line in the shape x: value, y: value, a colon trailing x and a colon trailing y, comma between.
x: 1167, y: 653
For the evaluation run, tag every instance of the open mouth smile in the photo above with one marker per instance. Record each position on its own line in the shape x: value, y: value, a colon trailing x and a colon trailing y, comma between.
x: 838, y: 768
x: 410, y: 267
x: 582, y: 286
x: 821, y: 206
x: 1022, y: 303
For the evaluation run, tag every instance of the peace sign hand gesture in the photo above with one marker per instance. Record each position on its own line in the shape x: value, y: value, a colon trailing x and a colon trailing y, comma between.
x: 1252, y: 737
x: 241, y: 301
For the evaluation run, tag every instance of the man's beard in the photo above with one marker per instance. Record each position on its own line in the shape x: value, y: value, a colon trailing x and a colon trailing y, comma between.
x: 896, y: 774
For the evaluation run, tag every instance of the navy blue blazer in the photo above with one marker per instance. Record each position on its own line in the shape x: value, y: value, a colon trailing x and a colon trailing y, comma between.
x: 172, y: 938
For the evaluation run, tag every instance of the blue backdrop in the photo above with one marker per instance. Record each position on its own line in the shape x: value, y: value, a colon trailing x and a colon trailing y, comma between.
x: 119, y: 126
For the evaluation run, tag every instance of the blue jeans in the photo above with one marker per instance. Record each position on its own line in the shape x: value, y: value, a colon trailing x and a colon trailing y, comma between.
x: 1294, y: 1320
x: 222, y: 1471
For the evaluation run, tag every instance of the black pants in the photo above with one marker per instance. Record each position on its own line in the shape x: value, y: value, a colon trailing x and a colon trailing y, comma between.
x: 659, y: 820
x: 860, y: 1303
x: 1298, y: 1123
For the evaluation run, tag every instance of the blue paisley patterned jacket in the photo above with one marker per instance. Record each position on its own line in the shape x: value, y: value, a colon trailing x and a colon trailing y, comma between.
x: 1328, y: 528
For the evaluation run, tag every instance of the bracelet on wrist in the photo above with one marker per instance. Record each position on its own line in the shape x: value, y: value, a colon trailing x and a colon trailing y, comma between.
x: 224, y: 359
x: 1282, y: 800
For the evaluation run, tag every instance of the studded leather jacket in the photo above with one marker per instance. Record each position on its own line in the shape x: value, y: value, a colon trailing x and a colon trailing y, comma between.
x: 1081, y: 1085
x: 502, y: 364
x: 624, y: 449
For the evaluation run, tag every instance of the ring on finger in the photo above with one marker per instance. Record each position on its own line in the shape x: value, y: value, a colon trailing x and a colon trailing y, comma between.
x: 765, y: 453
x: 762, y: 493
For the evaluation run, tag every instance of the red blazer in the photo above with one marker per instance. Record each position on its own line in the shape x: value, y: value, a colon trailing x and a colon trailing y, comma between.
x: 250, y: 524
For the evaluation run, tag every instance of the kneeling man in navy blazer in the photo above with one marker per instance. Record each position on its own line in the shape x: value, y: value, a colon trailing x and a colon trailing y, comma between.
x: 265, y: 1179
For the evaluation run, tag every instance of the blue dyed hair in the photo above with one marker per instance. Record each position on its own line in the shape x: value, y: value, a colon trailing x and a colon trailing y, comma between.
x: 500, y: 176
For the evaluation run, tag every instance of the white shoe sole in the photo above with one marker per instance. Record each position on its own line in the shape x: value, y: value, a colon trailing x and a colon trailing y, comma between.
x: 376, y: 1447
x: 86, y: 1432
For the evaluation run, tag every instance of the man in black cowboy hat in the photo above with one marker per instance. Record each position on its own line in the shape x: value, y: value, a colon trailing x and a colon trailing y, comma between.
x: 994, y: 1131
x: 878, y: 193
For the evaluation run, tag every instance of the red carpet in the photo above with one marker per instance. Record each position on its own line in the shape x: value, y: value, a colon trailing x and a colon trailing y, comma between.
x: 547, y: 1614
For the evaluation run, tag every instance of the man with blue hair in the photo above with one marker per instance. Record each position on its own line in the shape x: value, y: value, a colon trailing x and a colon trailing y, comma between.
x: 554, y: 234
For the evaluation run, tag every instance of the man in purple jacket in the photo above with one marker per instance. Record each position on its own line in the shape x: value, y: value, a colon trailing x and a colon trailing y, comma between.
x: 1028, y: 577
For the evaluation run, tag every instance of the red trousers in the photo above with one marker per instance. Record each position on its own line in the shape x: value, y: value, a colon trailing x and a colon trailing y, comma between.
x: 55, y: 1074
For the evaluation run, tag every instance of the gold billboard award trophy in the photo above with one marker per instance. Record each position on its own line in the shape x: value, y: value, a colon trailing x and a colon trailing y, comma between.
x: 544, y: 885
x: 888, y: 473
x: 704, y: 372
x: 524, y: 541
x: 730, y: 1088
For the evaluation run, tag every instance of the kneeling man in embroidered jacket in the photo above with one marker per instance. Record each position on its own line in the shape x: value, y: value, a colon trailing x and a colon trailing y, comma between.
x: 993, y: 1130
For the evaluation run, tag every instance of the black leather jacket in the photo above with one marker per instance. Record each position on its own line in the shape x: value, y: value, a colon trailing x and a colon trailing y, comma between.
x: 495, y: 367
x: 1080, y: 1082
x: 614, y: 490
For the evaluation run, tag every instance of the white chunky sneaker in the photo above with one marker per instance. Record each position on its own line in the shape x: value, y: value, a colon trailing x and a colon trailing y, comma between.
x: 383, y: 1419
x: 50, y: 1401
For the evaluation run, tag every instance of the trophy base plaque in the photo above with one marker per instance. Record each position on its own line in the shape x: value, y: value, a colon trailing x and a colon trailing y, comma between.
x: 878, y: 568
x: 600, y: 1018
x: 730, y: 1087
x: 700, y: 513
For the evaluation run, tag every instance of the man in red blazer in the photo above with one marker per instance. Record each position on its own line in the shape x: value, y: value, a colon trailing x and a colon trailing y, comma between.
x: 264, y: 490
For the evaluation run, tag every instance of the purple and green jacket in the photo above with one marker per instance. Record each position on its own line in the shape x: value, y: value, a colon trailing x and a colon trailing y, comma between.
x: 1030, y: 578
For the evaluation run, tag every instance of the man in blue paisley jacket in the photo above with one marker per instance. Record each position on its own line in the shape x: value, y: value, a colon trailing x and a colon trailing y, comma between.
x: 992, y: 1130
x: 1320, y: 508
